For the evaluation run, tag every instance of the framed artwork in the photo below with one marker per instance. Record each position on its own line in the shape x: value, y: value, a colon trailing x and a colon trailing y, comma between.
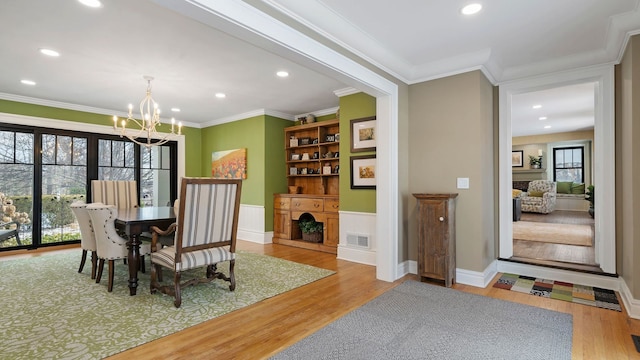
x: 363, y: 172
x: 516, y: 158
x: 363, y: 134
x: 229, y: 164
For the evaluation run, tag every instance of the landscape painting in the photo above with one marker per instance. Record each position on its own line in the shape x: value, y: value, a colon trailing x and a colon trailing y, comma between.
x: 229, y: 164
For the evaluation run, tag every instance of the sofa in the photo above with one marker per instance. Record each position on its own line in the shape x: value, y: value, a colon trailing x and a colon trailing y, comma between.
x: 540, y: 197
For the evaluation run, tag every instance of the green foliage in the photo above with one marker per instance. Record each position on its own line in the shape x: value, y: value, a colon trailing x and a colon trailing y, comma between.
x: 56, y: 211
x: 589, y: 195
x: 309, y: 226
x: 56, y: 238
x: 535, y: 160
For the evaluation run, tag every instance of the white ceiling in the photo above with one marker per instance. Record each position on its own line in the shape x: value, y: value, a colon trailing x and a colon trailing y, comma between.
x: 106, y: 52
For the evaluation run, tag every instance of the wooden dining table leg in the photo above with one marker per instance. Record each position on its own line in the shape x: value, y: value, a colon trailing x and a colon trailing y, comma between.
x: 133, y: 260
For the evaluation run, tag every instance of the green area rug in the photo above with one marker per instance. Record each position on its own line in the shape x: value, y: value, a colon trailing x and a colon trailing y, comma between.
x: 50, y: 311
x: 579, y: 294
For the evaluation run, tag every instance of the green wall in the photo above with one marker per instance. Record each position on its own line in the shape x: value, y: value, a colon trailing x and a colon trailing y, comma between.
x: 263, y: 137
x: 354, y: 106
x: 192, y: 135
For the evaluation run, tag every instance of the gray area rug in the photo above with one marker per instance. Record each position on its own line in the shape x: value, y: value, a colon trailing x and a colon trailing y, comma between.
x: 422, y: 321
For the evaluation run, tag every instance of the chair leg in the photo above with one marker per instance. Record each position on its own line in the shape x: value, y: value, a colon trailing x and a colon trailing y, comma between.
x: 83, y: 259
x: 176, y: 284
x: 111, y: 273
x: 232, y: 275
x: 100, y: 267
x: 94, y: 264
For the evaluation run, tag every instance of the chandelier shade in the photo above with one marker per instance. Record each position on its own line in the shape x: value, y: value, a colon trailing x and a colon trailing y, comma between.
x: 148, y: 124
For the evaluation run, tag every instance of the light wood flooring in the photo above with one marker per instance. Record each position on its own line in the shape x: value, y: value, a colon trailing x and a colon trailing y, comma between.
x: 572, y: 257
x: 263, y: 329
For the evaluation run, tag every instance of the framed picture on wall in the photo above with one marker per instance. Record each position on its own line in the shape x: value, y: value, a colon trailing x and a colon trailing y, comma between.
x: 516, y: 158
x: 363, y: 134
x: 363, y: 172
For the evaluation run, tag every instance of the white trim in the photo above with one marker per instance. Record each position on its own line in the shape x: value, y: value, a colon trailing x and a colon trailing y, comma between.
x: 360, y: 256
x: 85, y: 127
x: 346, y: 92
x: 602, y: 281
x: 631, y: 304
x: 251, y: 224
x: 604, y: 157
x: 317, y: 113
x: 76, y: 107
x: 463, y: 276
x: 246, y: 115
x: 248, y: 23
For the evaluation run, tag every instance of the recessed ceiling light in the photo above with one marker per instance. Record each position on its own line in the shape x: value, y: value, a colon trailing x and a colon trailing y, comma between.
x: 542, y: 118
x: 175, y: 109
x: 221, y: 95
x: 49, y: 52
x: 282, y: 73
x: 537, y: 106
x: 28, y: 82
x: 547, y: 127
x: 91, y: 3
x: 471, y: 9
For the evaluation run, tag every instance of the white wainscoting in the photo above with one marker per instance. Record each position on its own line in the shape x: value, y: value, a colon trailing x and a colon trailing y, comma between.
x: 357, y: 223
x: 251, y: 225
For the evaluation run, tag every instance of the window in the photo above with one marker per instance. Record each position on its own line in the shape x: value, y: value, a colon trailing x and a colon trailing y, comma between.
x: 45, y: 170
x: 568, y: 164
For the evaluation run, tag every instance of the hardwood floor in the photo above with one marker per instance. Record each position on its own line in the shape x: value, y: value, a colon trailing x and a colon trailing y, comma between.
x: 571, y: 257
x: 263, y: 329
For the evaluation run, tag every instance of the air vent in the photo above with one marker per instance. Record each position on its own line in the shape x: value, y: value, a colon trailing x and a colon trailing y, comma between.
x: 358, y: 240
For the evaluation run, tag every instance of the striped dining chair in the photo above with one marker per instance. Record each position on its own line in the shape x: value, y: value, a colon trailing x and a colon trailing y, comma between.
x: 205, y: 234
x: 121, y: 193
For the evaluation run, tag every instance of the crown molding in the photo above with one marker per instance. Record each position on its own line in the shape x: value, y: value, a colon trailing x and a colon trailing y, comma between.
x: 76, y: 107
x: 346, y: 91
x: 317, y: 113
x: 246, y: 115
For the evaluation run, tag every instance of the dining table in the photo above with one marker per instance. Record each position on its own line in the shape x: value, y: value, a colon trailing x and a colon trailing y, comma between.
x: 133, y: 222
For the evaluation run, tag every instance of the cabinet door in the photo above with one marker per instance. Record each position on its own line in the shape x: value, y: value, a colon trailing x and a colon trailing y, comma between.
x: 332, y: 230
x: 433, y: 244
x: 281, y: 224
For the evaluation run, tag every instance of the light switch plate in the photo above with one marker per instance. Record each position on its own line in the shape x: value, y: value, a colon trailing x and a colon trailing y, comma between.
x: 463, y: 183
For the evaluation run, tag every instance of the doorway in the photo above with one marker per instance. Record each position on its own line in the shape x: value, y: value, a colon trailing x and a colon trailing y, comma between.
x: 602, y: 163
x: 552, y: 136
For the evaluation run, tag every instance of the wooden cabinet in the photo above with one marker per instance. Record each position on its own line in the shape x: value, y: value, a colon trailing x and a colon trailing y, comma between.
x: 285, y: 220
x: 313, y: 163
x: 437, y: 237
x: 313, y: 157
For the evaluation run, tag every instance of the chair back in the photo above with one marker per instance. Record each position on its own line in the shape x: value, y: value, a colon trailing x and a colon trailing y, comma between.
x: 109, y: 244
x: 87, y: 235
x: 543, y: 186
x: 208, y: 214
x: 123, y: 194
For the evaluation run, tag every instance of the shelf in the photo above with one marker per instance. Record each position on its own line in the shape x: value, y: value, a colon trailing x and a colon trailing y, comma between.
x: 302, y: 161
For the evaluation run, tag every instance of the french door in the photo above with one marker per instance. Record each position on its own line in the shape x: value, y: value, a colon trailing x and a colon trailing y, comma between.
x: 45, y: 170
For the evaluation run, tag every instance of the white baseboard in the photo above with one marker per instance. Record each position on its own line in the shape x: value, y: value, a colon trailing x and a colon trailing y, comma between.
x: 360, y: 256
x: 631, y: 304
x: 463, y: 276
x: 255, y: 237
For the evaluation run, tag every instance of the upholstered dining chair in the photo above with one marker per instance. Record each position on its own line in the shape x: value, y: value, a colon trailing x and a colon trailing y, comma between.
x: 205, y: 234
x: 123, y: 194
x: 87, y: 236
x: 110, y: 246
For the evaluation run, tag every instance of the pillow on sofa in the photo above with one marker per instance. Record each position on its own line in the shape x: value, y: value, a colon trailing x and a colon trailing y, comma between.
x: 577, y: 188
x: 515, y: 193
x: 563, y: 187
x: 536, y: 193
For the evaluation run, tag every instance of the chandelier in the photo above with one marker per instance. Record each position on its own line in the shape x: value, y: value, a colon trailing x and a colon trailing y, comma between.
x: 150, y: 120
